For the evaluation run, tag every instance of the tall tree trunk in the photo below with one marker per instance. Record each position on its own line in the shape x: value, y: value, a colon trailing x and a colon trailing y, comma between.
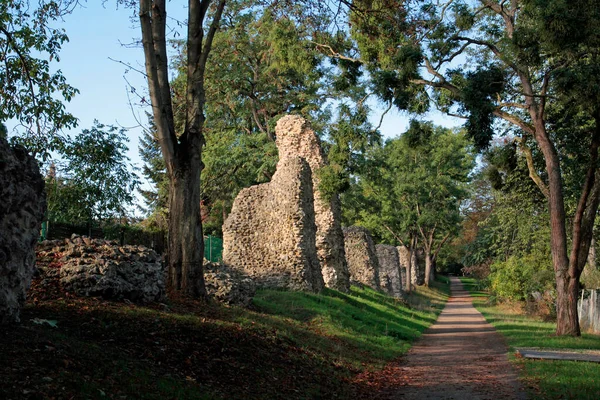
x: 567, y: 322
x: 409, y: 269
x: 186, y: 243
x: 182, y: 151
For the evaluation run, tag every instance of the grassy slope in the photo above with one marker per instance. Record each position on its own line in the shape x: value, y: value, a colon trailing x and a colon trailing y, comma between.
x: 293, y: 346
x: 549, y: 378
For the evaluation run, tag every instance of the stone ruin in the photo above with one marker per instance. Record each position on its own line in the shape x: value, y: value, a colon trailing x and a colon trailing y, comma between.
x: 418, y: 265
x: 390, y: 277
x: 283, y: 233
x: 22, y: 207
x: 270, y: 233
x: 228, y: 285
x: 295, y: 138
x: 102, y: 268
x: 361, y: 256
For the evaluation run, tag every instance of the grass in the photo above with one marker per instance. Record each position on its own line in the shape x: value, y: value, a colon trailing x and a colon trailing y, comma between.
x: 291, y: 345
x: 547, y: 379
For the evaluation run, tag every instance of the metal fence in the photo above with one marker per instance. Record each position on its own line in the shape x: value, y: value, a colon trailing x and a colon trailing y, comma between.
x: 213, y: 248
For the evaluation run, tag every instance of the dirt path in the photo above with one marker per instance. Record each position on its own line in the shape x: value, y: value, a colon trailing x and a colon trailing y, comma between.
x: 461, y: 356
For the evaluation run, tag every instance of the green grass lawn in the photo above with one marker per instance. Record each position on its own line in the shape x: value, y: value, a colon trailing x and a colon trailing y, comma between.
x: 548, y: 379
x: 291, y: 345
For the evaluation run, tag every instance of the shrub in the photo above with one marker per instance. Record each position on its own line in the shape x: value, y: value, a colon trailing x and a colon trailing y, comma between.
x: 518, y: 278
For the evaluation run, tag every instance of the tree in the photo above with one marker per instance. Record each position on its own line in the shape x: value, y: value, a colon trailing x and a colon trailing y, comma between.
x: 181, y: 150
x: 96, y: 182
x: 31, y: 93
x: 418, y: 188
x: 372, y: 202
x: 154, y: 171
x: 516, y: 249
x: 491, y: 61
x: 264, y: 65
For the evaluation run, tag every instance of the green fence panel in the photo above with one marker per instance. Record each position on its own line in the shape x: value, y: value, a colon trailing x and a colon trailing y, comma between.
x: 213, y: 248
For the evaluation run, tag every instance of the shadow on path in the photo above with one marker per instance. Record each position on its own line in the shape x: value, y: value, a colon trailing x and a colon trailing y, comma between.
x: 461, y: 356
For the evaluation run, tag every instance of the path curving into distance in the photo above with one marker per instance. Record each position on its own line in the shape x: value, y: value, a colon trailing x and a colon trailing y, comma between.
x: 461, y: 356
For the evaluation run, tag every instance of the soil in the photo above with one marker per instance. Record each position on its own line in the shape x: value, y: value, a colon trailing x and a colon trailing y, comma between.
x: 461, y: 356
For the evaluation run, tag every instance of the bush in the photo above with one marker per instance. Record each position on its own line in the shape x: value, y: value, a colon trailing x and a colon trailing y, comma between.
x: 518, y: 278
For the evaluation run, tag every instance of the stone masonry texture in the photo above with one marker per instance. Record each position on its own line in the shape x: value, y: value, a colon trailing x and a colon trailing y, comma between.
x: 361, y: 256
x: 270, y: 233
x: 390, y: 277
x: 295, y: 138
x: 22, y: 207
x: 418, y: 265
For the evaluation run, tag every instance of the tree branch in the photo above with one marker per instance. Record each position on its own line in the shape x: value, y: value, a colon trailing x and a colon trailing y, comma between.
x: 335, y: 54
x: 157, y: 74
x: 531, y: 167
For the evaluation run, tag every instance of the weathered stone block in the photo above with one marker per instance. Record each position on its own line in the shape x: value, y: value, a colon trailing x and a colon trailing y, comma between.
x: 390, y: 277
x: 22, y: 207
x: 361, y: 256
x: 418, y: 265
x: 270, y: 232
x: 96, y: 267
x: 228, y: 285
x: 295, y: 138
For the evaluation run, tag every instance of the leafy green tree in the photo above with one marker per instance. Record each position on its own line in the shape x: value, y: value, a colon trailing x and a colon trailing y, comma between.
x: 96, y: 182
x: 31, y: 92
x: 514, y: 236
x: 266, y: 66
x: 496, y: 64
x: 418, y: 189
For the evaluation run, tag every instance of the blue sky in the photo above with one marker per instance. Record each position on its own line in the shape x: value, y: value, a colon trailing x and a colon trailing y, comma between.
x: 97, y: 35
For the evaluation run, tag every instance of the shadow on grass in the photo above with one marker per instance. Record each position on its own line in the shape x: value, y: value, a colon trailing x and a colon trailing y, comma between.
x: 372, y: 324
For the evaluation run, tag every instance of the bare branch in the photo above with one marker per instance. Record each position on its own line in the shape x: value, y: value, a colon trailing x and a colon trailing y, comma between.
x: 531, y: 167
x: 333, y: 53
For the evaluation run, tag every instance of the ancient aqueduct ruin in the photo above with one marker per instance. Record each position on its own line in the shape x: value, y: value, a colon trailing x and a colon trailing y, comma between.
x: 281, y: 234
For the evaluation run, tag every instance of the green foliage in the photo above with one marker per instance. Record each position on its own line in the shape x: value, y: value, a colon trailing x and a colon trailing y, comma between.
x: 411, y: 184
x: 518, y: 247
x: 552, y: 379
x: 96, y: 182
x: 518, y: 277
x: 32, y: 93
x: 478, y: 100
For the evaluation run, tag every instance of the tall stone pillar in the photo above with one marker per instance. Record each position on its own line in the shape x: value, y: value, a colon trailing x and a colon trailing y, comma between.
x: 296, y: 138
x: 22, y: 207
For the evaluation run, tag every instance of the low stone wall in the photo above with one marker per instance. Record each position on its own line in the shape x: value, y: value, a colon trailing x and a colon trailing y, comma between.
x: 390, y: 277
x: 588, y: 309
x: 97, y: 267
x: 22, y: 207
x: 361, y: 256
x: 270, y: 232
